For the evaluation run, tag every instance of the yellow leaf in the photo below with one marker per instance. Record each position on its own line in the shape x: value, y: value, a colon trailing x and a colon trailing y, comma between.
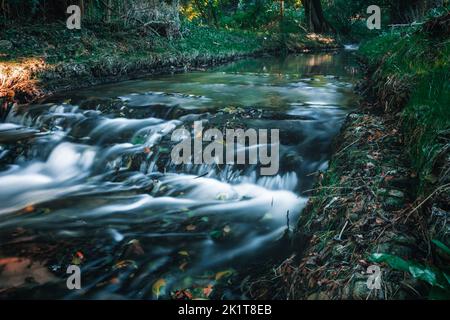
x: 29, y: 209
x: 222, y: 274
x: 158, y: 287
x: 183, y: 253
x: 191, y: 227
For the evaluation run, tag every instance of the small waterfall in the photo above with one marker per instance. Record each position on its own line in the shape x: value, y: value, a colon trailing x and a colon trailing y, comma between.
x: 91, y: 171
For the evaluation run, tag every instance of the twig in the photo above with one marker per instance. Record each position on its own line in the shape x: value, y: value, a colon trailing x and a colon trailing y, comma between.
x: 324, y: 187
x: 342, y: 150
x: 405, y: 24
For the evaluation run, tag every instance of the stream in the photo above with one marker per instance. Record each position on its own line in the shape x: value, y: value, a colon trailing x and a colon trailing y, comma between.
x: 86, y: 179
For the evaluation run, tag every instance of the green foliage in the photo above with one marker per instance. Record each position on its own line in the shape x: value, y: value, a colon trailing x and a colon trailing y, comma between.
x: 427, y: 117
x: 422, y: 63
x: 97, y: 42
x: 441, y: 246
x: 438, y: 279
x: 205, y: 39
x: 349, y: 17
x: 255, y: 15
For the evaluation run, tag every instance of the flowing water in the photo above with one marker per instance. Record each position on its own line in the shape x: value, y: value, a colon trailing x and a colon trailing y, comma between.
x: 86, y: 178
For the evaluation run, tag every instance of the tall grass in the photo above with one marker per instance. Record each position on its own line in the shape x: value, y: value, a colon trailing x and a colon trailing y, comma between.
x: 423, y: 62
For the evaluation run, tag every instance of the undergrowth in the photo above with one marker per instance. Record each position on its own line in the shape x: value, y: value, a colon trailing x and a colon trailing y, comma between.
x: 56, y: 43
x: 422, y: 63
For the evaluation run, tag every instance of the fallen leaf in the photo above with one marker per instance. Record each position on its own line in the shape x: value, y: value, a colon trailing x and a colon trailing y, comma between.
x: 207, y: 291
x: 158, y: 288
x: 182, y: 295
x: 78, y: 258
x: 221, y: 274
x: 114, y: 280
x: 28, y: 209
x: 124, y: 264
x: 191, y: 227
x: 133, y: 249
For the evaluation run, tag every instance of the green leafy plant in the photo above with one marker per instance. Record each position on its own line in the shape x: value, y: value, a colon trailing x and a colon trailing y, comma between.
x: 438, y: 279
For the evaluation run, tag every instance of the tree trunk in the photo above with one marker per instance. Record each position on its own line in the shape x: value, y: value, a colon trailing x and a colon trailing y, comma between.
x: 314, y: 16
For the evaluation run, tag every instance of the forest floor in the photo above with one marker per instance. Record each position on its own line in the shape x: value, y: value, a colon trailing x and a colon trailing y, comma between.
x: 385, y: 199
x: 38, y: 60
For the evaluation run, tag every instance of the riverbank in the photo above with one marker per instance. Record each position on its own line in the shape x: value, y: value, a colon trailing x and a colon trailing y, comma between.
x: 385, y: 199
x: 37, y: 61
x: 104, y: 155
